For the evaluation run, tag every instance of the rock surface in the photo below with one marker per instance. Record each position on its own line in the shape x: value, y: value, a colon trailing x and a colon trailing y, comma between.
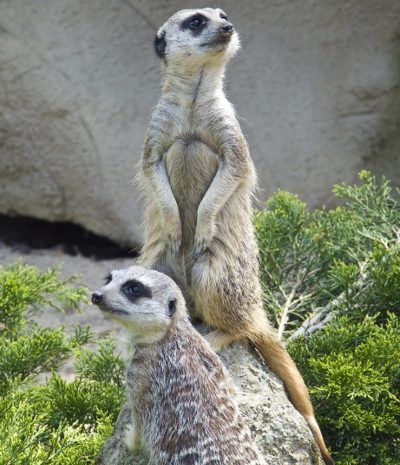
x: 278, y: 429
x: 316, y: 87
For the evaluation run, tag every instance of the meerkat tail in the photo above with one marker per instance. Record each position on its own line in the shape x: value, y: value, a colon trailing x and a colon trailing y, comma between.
x: 280, y: 362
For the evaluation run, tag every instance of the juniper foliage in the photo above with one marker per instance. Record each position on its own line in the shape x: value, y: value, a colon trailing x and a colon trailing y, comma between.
x: 327, y: 259
x: 331, y: 282
x: 54, y: 422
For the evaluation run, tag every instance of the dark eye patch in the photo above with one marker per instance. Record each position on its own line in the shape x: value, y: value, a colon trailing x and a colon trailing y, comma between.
x: 222, y: 15
x: 195, y: 24
x: 134, y: 290
x: 108, y: 279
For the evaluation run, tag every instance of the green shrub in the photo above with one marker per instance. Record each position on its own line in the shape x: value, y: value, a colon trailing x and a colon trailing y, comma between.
x: 56, y: 422
x: 331, y: 282
x: 353, y: 374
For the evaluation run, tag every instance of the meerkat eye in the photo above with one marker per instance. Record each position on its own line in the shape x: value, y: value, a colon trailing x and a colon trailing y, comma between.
x: 108, y: 279
x: 223, y: 16
x: 134, y: 289
x: 195, y: 23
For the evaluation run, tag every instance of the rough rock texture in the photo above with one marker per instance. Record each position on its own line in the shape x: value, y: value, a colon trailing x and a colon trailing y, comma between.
x: 278, y: 429
x: 316, y: 86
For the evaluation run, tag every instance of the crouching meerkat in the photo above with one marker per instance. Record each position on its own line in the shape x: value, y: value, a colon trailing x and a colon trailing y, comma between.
x: 198, y: 179
x: 181, y: 396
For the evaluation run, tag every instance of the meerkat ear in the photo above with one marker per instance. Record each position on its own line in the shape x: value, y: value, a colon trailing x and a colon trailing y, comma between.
x: 160, y: 44
x: 171, y: 307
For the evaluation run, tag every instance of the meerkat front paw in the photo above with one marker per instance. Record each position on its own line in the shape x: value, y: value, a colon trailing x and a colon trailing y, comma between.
x: 201, y: 247
x: 174, y: 240
x: 173, y: 246
x: 203, y: 239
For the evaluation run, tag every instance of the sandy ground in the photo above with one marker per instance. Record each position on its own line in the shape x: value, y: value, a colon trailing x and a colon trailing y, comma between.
x: 90, y: 273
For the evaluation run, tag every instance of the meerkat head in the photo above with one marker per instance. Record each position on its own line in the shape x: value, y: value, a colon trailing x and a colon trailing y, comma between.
x: 198, y: 36
x: 146, y: 302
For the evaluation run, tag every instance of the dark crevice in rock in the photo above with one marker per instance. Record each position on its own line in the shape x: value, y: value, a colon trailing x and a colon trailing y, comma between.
x: 25, y: 234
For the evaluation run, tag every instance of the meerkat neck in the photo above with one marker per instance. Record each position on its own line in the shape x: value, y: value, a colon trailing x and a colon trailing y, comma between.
x: 140, y: 337
x: 198, y: 84
x: 145, y: 340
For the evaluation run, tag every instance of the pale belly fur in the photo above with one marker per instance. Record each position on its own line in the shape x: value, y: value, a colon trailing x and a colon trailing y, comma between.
x: 191, y: 167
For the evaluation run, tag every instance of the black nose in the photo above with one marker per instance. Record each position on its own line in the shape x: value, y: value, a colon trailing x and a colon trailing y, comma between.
x: 97, y: 298
x: 227, y: 28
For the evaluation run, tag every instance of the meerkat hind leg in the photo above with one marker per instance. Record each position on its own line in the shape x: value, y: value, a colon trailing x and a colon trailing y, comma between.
x: 219, y: 339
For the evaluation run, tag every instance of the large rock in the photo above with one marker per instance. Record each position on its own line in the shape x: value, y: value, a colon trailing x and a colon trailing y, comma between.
x: 317, y: 89
x: 278, y: 429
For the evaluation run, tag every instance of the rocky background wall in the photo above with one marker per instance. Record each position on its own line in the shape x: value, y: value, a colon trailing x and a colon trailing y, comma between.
x: 316, y: 87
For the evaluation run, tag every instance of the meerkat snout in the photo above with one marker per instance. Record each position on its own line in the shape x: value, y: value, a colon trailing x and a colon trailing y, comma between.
x: 223, y: 35
x: 97, y: 298
x: 227, y: 28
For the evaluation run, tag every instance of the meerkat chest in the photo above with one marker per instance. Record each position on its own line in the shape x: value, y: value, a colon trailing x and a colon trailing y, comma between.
x: 138, y: 378
x: 191, y: 164
x: 191, y: 159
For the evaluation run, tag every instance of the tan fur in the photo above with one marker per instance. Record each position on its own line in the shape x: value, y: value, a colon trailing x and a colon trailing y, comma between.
x: 181, y: 407
x: 199, y: 179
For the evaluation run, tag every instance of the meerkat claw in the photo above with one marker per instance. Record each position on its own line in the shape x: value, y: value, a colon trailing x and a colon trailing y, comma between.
x: 174, y: 247
x: 200, y: 249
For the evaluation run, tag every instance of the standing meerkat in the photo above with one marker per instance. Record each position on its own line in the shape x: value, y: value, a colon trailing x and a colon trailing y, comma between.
x: 180, y: 395
x: 199, y: 180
